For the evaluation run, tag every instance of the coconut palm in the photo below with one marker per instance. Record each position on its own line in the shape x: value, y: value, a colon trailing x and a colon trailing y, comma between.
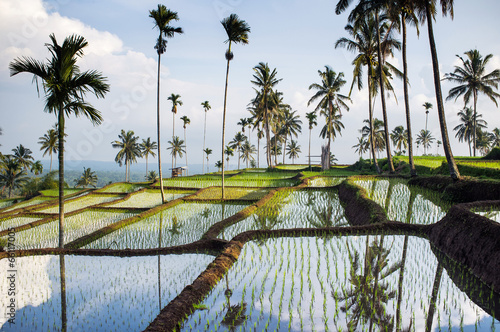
x: 49, y: 144
x: 176, y: 101
x: 425, y: 139
x: 23, y: 156
x: 427, y: 107
x: 208, y: 152
x: 362, y: 146
x: 65, y: 88
x: 465, y: 130
x: 151, y: 176
x: 88, y: 178
x: 177, y: 148
x: 495, y: 138
x: 12, y: 176
x: 243, y: 123
x: 311, y: 120
x: 237, y: 31
x: 162, y: 18
x: 147, y: 148
x: 129, y: 150
x: 293, y: 150
x: 218, y: 164
x: 291, y: 126
x: 236, y: 143
x: 206, y: 107
x: 247, y: 152
x: 329, y: 98
x: 472, y: 79
x: 36, y: 167
x: 399, y: 137
x: 265, y: 79
x: 229, y: 152
x: 378, y: 134
x: 333, y: 124
x: 483, y: 141
x: 185, y: 121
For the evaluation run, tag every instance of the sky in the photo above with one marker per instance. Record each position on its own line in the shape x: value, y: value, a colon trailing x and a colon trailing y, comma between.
x: 296, y: 37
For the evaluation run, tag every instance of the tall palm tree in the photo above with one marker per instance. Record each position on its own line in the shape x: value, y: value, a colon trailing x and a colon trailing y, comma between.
x: 472, y: 80
x: 378, y: 134
x: 243, y: 123
x: 176, y: 101
x: 329, y: 98
x: 311, y: 120
x: 23, y: 156
x: 129, y: 150
x: 65, y: 88
x: 177, y: 148
x: 333, y: 124
x: 425, y: 139
x: 426, y: 10
x: 399, y: 138
x: 49, y: 144
x: 162, y: 18
x: 208, y: 152
x: 236, y: 143
x: 265, y: 79
x: 293, y: 150
x: 147, y: 148
x: 88, y: 178
x: 364, y: 43
x: 362, y: 146
x: 290, y: 126
x: 495, y: 138
x: 13, y: 175
x: 465, y: 130
x: 427, y: 107
x: 237, y: 31
x: 206, y: 107
x: 185, y: 121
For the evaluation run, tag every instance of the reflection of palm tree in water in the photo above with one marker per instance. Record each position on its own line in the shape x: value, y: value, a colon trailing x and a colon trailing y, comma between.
x: 62, y: 270
x: 176, y: 226
x: 367, y: 298
x: 329, y: 216
x: 235, y: 315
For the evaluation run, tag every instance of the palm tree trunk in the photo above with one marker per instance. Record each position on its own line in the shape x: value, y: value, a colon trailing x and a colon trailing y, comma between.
x: 454, y: 173
x: 50, y: 168
x: 158, y: 131
x: 310, y: 130
x: 204, y: 135
x: 474, y: 122
x: 186, y: 150
x: 435, y: 291
x: 239, y: 156
x: 61, y: 177
x: 258, y: 151
x: 330, y: 108
x: 173, y: 135
x: 370, y: 114
x: 268, y: 138
x: 382, y: 97
x: 413, y: 171
x: 62, y: 271
x: 146, y: 165
x: 224, y: 120
x: 284, y: 148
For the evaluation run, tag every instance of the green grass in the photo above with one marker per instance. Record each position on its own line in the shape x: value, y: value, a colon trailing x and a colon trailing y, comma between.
x: 55, y: 192
x: 122, y: 187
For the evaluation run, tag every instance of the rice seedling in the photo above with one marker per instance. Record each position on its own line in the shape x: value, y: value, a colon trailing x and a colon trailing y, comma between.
x: 149, y: 199
x: 80, y: 203
x: 15, y: 222
x: 326, y: 181
x: 31, y: 202
x: 121, y: 188
x: 232, y: 193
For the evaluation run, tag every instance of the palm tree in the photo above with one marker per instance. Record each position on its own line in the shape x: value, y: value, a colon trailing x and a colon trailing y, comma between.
x: 218, y: 164
x: 23, y: 156
x: 177, y: 148
x: 88, y: 178
x: 265, y: 80
x: 329, y: 98
x: 162, y: 18
x: 362, y: 146
x: 247, y: 151
x: 378, y: 134
x: 151, y: 176
x: 334, y: 126
x: 472, y: 80
x: 237, y: 32
x: 427, y: 107
x: 65, y: 87
x: 176, y: 101
x: 495, y: 138
x: 465, y: 130
x: 399, y: 138
x: 229, y: 152
x: 36, y: 167
x: 13, y: 176
x: 311, y: 119
x: 49, y: 144
x: 293, y: 150
x: 147, y: 148
x: 129, y: 150
x: 425, y: 139
x: 237, y: 142
x: 185, y: 121
x: 290, y: 126
x: 206, y: 107
x: 243, y: 123
x: 208, y: 152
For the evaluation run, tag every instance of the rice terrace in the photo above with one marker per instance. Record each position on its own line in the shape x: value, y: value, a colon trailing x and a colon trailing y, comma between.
x: 279, y: 231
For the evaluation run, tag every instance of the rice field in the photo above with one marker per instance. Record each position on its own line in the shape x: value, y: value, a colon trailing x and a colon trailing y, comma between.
x: 326, y: 181
x: 149, y: 199
x: 232, y: 193
x: 181, y: 224
x: 315, y: 284
x: 102, y: 293
x: 5, y: 203
x: 12, y: 222
x: 194, y: 182
x: 121, y: 188
x: 47, y: 235
x: 80, y: 203
x: 31, y: 202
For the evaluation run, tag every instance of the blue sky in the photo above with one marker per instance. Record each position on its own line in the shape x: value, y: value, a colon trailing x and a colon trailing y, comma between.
x: 295, y: 37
